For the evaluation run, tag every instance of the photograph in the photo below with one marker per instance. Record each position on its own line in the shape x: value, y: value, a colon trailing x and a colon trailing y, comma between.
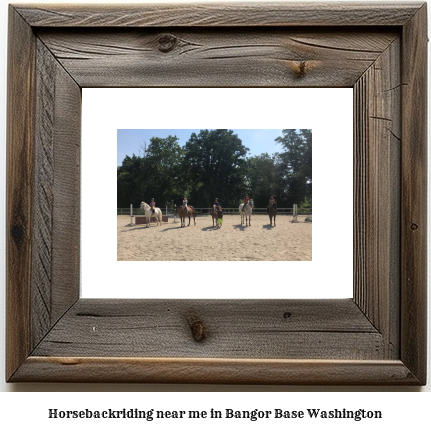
x: 214, y: 195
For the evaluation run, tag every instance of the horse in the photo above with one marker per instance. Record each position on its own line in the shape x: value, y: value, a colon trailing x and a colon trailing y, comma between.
x: 149, y: 213
x: 272, y: 212
x: 245, y: 212
x: 214, y: 214
x: 181, y: 211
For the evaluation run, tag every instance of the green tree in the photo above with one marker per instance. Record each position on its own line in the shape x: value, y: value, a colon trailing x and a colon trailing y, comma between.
x: 164, y: 177
x: 130, y: 180
x: 216, y: 166
x: 157, y: 173
x: 262, y: 179
x: 294, y: 166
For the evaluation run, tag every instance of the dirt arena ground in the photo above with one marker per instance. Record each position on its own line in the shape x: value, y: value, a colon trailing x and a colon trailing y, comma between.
x: 202, y: 242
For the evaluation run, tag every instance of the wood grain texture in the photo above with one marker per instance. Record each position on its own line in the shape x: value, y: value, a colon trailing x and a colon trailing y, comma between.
x: 66, y: 207
x: 43, y: 191
x: 44, y: 195
x: 378, y: 338
x: 214, y: 57
x: 414, y: 195
x: 215, y: 371
x: 55, y: 279
x: 377, y: 101
x: 234, y: 329
x: 20, y: 194
x: 221, y: 14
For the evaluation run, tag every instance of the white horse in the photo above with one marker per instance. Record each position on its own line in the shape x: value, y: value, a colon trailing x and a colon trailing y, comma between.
x: 149, y: 213
x: 246, y: 212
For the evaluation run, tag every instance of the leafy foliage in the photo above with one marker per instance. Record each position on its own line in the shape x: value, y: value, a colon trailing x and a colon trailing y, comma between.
x: 154, y: 174
x: 262, y: 179
x: 130, y: 180
x: 294, y: 166
x: 216, y: 167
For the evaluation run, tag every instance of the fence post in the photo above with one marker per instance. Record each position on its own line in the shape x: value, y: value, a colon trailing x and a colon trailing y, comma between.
x: 131, y: 214
x: 295, y: 214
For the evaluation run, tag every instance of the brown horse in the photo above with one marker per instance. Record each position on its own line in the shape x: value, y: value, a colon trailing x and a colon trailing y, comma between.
x: 181, y: 211
x: 272, y: 212
x: 214, y: 214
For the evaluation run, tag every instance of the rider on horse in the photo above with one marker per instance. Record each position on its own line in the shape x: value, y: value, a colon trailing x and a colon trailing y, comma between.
x: 152, y: 204
x: 271, y: 202
x: 217, y: 203
x: 246, y: 201
x: 185, y: 204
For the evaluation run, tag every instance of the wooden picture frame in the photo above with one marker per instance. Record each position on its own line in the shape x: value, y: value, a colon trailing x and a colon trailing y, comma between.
x: 376, y: 338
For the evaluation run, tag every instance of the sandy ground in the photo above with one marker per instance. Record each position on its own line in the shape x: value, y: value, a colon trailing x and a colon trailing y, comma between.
x: 201, y: 242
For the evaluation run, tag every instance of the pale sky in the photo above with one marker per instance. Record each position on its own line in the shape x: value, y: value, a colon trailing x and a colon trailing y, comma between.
x: 131, y: 141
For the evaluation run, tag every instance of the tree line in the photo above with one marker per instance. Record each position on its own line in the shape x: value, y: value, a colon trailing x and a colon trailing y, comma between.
x: 215, y: 163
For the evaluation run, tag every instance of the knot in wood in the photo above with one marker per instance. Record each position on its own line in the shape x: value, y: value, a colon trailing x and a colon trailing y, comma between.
x: 300, y: 69
x: 167, y: 42
x: 414, y: 226
x: 197, y: 327
x: 18, y: 233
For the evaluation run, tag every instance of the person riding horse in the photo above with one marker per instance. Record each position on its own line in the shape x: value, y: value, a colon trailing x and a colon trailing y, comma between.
x: 217, y: 203
x: 246, y: 201
x: 271, y: 202
x: 185, y: 204
x: 152, y: 205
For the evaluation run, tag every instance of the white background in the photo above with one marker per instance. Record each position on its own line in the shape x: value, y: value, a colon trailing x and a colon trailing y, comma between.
x: 402, y: 408
x: 329, y: 112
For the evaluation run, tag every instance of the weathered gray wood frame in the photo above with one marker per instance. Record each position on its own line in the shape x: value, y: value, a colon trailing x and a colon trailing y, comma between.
x: 378, y: 337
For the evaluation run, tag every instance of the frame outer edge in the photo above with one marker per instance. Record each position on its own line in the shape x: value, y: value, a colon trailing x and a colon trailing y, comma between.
x: 218, y: 14
x: 215, y: 371
x: 414, y: 196
x: 19, y: 189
